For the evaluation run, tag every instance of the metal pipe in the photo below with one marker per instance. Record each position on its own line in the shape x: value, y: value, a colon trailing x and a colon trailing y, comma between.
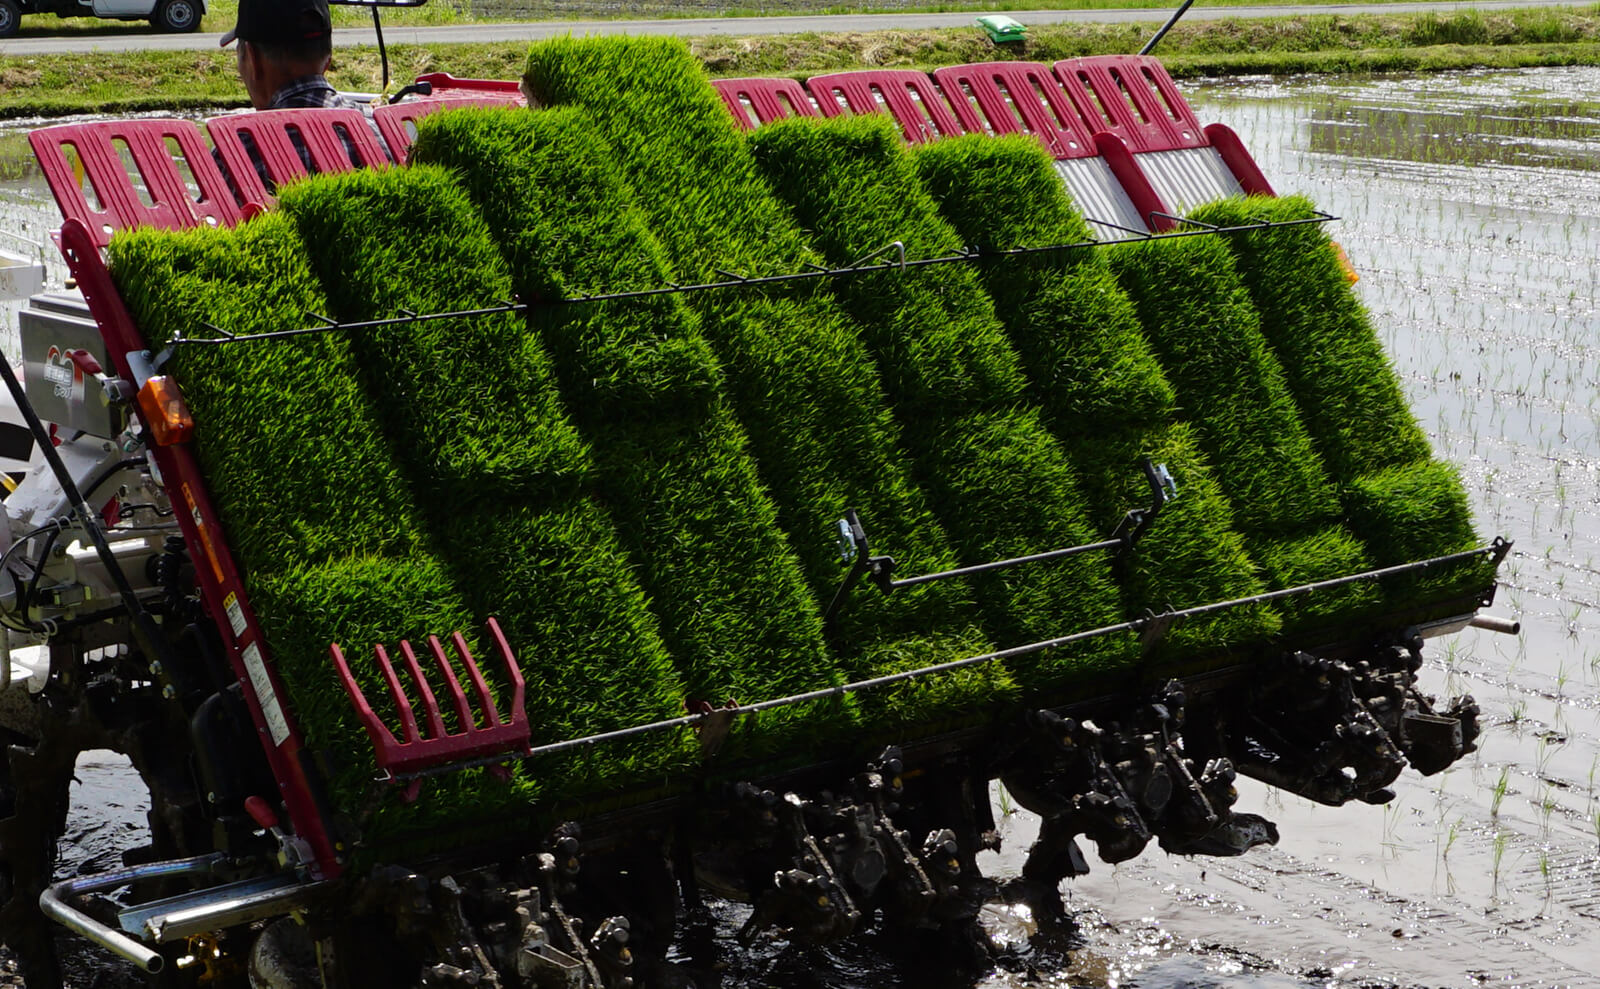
x: 978, y: 568
x: 1493, y: 623
x: 730, y: 280
x: 232, y: 912
x: 1150, y: 45
x: 53, y: 903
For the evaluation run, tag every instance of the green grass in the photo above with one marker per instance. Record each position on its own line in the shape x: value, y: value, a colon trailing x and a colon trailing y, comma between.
x: 334, y: 488
x: 1099, y: 383
x: 801, y: 382
x: 1404, y: 506
x: 646, y: 392
x: 1001, y: 483
x: 109, y: 82
x: 1414, y: 512
x: 1205, y: 328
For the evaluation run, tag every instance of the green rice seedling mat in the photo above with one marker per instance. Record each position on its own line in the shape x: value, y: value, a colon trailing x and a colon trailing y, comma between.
x: 1101, y: 388
x: 1197, y: 313
x: 1404, y: 504
x: 672, y: 461
x: 800, y: 379
x: 1001, y: 482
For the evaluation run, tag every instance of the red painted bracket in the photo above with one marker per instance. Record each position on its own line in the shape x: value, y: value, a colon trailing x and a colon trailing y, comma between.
x: 1016, y: 98
x: 501, y: 90
x: 440, y: 748
x: 916, y: 104
x: 397, y: 122
x: 275, y: 146
x: 131, y: 173
x: 754, y: 102
x: 1238, y: 160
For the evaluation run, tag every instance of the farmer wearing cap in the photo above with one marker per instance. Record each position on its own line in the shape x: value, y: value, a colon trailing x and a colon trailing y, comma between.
x: 284, y: 48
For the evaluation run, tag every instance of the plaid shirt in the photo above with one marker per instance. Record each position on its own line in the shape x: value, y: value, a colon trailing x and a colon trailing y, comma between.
x: 312, y: 91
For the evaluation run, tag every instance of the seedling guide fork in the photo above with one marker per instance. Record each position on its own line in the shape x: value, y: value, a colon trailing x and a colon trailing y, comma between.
x: 440, y: 747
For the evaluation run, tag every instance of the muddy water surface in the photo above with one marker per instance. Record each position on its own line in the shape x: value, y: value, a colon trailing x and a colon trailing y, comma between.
x: 1468, y: 205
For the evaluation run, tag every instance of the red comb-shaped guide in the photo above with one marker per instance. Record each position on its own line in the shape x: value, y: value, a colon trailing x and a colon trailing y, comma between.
x: 433, y: 745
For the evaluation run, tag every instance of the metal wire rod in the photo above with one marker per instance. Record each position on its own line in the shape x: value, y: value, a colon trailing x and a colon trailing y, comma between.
x: 810, y: 272
x: 1496, y: 550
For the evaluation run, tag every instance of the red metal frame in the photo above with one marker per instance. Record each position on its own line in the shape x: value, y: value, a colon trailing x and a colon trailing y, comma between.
x: 1238, y: 160
x: 910, y: 97
x: 217, y: 575
x: 1131, y: 177
x: 440, y: 747
x: 509, y: 90
x: 392, y: 118
x: 328, y: 137
x: 754, y: 102
x: 1132, y: 97
x: 1016, y: 98
x: 100, y: 147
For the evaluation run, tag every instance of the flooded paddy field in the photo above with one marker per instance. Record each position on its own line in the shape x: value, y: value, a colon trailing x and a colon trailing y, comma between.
x: 1467, y: 204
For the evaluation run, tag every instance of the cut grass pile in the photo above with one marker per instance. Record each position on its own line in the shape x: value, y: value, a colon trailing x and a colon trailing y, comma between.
x: 506, y: 498
x: 802, y: 383
x: 1196, y: 311
x: 1101, y: 388
x: 1002, y: 484
x: 647, y: 394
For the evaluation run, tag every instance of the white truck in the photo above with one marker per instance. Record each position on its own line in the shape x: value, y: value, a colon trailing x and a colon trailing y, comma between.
x: 174, y: 16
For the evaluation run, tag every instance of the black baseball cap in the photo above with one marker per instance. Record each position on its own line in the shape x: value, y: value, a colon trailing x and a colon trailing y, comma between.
x: 280, y: 22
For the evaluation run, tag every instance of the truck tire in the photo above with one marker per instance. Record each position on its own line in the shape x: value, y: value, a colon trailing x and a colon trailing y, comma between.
x: 10, y: 18
x: 174, y: 16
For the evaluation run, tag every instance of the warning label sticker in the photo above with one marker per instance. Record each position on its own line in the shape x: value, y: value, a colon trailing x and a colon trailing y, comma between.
x: 271, y: 709
x: 235, y: 614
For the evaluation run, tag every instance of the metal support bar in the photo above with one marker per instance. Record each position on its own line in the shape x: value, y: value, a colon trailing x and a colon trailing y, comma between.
x: 729, y: 280
x: 855, y: 549
x: 1493, y: 551
x: 1162, y: 33
x: 55, y: 903
x: 1495, y: 623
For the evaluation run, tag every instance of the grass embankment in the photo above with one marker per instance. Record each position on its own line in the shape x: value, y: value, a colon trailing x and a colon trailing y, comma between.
x: 649, y: 397
x: 956, y: 385
x: 1101, y: 388
x: 105, y: 82
x: 803, y: 383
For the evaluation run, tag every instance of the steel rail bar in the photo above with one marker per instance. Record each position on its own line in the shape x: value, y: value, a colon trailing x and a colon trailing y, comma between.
x: 53, y: 902
x: 1495, y: 550
x: 978, y: 568
x: 730, y: 280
